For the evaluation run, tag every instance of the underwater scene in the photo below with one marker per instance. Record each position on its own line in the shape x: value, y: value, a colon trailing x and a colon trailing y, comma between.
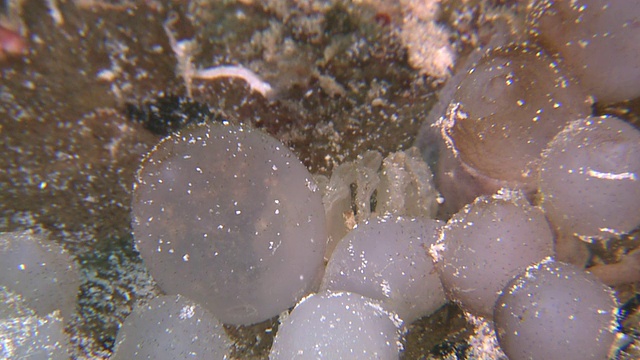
x: 320, y: 179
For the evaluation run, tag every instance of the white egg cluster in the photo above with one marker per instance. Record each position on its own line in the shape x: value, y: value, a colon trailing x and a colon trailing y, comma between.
x: 227, y: 216
x: 524, y: 167
x: 382, y: 264
x: 496, y: 239
x: 236, y: 230
x: 519, y: 122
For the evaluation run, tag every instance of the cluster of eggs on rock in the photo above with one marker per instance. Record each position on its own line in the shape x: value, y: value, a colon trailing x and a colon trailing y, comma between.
x: 228, y: 216
x: 232, y: 225
x: 519, y: 125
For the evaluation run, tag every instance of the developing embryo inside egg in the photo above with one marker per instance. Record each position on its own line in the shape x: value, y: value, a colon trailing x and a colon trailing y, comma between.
x: 229, y: 217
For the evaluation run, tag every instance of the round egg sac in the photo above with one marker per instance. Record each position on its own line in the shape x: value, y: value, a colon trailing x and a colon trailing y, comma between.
x: 596, y: 39
x: 149, y: 332
x: 485, y: 245
x: 555, y: 310
x: 338, y: 325
x: 385, y: 259
x: 588, y: 178
x: 229, y: 217
x: 515, y: 98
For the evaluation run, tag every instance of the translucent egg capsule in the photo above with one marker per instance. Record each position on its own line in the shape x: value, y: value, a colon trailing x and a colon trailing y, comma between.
x: 555, y: 310
x: 590, y: 178
x: 597, y: 40
x: 506, y: 110
x: 229, y: 217
x: 338, y: 326
x: 386, y: 259
x: 171, y: 327
x: 40, y: 271
x: 485, y: 245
